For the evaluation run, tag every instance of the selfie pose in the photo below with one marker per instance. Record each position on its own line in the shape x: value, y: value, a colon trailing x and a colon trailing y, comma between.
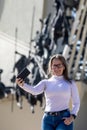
x: 59, y: 90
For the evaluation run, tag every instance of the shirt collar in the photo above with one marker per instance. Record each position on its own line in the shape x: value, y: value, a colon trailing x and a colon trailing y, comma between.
x: 58, y: 77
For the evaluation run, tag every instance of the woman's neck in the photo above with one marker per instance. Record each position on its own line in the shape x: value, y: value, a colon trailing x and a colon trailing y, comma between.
x: 58, y: 76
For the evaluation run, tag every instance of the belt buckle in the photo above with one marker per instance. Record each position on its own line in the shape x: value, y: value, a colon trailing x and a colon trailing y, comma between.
x: 54, y: 113
x: 50, y: 113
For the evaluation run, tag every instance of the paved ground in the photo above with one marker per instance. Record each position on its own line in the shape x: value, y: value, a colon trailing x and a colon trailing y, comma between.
x: 19, y: 119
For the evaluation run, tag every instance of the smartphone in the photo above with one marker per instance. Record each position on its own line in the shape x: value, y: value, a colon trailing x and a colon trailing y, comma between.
x: 24, y: 73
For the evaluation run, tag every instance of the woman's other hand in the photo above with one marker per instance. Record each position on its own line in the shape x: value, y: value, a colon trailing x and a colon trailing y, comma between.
x: 68, y: 120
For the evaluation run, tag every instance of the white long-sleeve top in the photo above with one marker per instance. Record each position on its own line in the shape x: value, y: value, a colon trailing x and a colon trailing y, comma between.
x: 58, y: 93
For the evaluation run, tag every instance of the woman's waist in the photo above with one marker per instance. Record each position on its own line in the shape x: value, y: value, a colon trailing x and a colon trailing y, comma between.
x: 56, y: 113
x: 55, y: 107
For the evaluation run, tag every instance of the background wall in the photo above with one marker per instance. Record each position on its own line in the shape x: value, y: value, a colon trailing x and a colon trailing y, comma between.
x: 18, y: 14
x: 19, y: 21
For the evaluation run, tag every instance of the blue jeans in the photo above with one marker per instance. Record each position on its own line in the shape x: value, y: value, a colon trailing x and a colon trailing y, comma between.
x: 50, y: 122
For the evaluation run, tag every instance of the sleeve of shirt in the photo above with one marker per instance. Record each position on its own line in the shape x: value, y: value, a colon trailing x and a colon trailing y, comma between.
x: 75, y: 99
x: 35, y: 90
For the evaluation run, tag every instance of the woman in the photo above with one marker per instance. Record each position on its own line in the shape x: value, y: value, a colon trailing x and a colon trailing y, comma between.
x: 58, y: 90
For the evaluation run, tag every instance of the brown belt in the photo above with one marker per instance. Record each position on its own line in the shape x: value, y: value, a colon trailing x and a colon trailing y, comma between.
x: 56, y: 113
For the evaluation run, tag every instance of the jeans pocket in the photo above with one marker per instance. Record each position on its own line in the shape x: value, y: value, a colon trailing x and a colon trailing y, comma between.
x: 45, y: 116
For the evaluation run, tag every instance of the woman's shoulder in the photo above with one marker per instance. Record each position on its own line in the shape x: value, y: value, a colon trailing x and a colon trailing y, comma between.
x: 47, y: 79
x: 73, y: 83
x: 71, y: 80
x: 44, y: 80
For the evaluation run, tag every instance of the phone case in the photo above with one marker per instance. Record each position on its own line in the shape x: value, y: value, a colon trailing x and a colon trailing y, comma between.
x: 23, y: 74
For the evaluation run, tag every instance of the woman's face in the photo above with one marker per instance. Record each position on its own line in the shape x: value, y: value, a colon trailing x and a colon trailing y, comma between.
x: 57, y: 67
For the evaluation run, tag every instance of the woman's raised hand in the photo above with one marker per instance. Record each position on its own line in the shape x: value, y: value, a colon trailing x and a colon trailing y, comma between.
x: 20, y: 82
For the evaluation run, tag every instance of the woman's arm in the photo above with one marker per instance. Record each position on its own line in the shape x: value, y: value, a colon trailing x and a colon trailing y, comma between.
x: 75, y: 99
x: 35, y: 90
x: 75, y: 104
